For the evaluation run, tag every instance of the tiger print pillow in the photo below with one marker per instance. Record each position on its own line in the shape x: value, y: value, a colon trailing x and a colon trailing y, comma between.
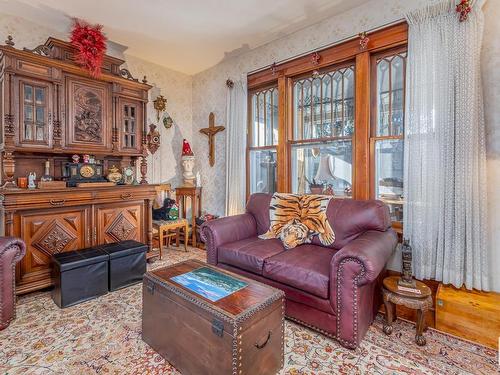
x: 290, y: 210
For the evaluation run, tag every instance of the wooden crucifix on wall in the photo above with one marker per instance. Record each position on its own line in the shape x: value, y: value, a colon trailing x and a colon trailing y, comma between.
x: 211, y: 131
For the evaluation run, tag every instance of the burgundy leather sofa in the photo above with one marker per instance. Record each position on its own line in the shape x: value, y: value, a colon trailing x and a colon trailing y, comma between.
x: 12, y: 251
x: 330, y: 289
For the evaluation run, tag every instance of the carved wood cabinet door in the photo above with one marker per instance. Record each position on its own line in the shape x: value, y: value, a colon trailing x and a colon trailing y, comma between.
x: 47, y: 233
x: 119, y: 222
x: 88, y: 115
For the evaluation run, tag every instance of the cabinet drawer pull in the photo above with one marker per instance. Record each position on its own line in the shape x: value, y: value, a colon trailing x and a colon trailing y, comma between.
x: 57, y: 202
x: 126, y: 196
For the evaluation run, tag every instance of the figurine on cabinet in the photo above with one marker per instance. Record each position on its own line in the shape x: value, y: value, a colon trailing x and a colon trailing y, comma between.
x: 31, y: 180
x: 46, y: 176
x: 129, y: 176
x: 114, y: 174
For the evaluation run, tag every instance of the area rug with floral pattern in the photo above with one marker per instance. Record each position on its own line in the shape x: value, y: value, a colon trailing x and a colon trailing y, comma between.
x: 103, y: 336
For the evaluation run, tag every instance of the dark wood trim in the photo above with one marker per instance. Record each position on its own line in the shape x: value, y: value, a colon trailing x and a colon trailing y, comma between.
x: 381, y: 39
x: 361, y: 163
x: 282, y: 149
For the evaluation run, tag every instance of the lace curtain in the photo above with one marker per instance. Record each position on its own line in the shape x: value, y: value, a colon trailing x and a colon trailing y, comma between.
x: 445, y: 153
x: 236, y: 115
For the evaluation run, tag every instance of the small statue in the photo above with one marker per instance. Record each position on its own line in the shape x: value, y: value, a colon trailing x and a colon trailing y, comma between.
x: 46, y: 176
x: 406, y: 278
x: 187, y: 161
x: 86, y: 158
x: 75, y: 158
x: 31, y: 180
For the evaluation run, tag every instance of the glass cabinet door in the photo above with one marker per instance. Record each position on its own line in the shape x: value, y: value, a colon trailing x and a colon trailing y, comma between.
x: 35, y: 113
x: 130, y: 125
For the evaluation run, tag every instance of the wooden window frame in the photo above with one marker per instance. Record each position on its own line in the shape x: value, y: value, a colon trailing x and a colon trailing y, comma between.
x: 249, y: 135
x: 391, y: 37
x: 373, y: 121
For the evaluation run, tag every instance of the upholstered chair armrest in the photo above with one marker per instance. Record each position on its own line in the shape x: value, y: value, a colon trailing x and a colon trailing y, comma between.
x: 367, y: 255
x: 12, y: 251
x: 353, y: 271
x: 225, y: 230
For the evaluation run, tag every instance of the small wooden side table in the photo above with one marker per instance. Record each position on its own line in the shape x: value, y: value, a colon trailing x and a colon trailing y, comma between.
x: 182, y: 194
x: 393, y: 296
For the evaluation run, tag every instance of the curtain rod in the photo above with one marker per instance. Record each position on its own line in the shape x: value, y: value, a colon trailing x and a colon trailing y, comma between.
x: 326, y: 46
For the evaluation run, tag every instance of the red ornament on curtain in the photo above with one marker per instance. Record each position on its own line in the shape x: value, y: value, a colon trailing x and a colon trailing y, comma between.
x: 464, y: 9
x: 90, y: 44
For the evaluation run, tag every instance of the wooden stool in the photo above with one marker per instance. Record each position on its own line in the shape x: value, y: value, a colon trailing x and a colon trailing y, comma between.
x: 168, y: 229
x: 418, y: 301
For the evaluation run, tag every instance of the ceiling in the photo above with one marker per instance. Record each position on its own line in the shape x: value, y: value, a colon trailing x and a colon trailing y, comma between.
x: 185, y: 35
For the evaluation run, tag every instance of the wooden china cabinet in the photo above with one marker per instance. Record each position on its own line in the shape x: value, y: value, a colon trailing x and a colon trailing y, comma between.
x: 51, y: 109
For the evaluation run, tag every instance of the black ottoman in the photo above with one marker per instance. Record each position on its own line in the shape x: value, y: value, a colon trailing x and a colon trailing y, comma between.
x: 79, y: 276
x: 127, y: 263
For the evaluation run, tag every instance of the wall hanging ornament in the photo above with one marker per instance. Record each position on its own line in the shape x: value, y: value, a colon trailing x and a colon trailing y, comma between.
x: 211, y: 131
x: 90, y: 44
x: 160, y: 104
x: 464, y: 8
x: 168, y: 122
x: 153, y: 138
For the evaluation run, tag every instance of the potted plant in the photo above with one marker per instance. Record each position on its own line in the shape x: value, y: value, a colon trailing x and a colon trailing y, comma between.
x: 315, y: 186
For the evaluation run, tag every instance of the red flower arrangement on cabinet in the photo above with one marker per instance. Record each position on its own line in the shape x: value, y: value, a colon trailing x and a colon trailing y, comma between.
x: 90, y: 44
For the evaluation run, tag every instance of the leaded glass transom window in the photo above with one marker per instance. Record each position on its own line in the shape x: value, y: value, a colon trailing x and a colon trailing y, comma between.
x: 323, y: 127
x: 263, y: 139
x: 324, y: 105
x: 388, y: 132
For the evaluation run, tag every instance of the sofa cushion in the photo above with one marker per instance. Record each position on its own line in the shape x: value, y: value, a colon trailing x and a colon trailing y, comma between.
x: 249, y: 254
x: 306, y: 267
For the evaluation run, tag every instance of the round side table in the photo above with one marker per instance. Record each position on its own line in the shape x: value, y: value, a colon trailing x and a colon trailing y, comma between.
x: 393, y: 296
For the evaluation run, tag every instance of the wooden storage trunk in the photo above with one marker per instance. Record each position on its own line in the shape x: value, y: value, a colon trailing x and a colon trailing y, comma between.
x: 242, y: 333
x: 472, y: 315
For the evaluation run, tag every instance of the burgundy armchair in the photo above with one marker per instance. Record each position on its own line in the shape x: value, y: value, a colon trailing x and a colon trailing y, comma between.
x: 12, y: 251
x: 330, y: 289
